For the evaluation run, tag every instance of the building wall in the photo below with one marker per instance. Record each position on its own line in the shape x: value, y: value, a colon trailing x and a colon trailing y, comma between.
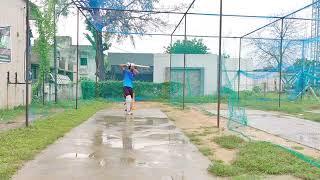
x: 208, y: 62
x: 12, y: 13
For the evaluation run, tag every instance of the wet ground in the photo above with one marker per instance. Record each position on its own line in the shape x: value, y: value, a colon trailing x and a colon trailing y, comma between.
x: 146, y: 146
x: 292, y: 128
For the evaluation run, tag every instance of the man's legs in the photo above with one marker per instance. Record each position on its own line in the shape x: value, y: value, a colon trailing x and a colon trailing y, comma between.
x: 128, y: 94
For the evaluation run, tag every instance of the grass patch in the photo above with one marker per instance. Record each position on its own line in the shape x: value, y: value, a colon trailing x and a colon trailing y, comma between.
x: 206, y: 151
x: 224, y: 170
x: 297, y: 148
x: 261, y: 158
x: 7, y: 115
x: 20, y: 145
x: 194, y: 139
x: 229, y: 142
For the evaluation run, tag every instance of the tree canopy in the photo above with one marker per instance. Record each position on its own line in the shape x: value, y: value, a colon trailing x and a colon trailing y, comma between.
x: 194, y: 46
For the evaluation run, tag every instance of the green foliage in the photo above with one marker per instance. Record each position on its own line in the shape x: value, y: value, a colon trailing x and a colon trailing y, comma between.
x: 114, y: 89
x: 257, y: 89
x: 44, y: 22
x: 20, y: 145
x: 194, y: 46
x: 229, y: 142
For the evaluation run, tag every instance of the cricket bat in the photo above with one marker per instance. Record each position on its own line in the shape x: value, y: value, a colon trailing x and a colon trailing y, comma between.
x: 137, y: 65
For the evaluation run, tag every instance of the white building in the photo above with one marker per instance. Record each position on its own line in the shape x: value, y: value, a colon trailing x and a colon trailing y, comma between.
x: 12, y: 51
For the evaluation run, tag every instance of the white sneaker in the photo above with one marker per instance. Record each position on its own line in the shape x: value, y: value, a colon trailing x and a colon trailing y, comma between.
x: 129, y: 113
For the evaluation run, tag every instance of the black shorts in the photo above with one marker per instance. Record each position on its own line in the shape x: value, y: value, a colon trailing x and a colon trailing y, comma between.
x: 127, y: 91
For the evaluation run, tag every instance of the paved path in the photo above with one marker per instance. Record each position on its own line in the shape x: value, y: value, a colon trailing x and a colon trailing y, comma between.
x: 292, y: 128
x: 110, y: 146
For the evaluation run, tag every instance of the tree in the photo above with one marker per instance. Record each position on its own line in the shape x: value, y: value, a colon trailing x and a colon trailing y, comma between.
x: 43, y: 12
x: 265, y: 44
x: 119, y: 23
x: 194, y: 46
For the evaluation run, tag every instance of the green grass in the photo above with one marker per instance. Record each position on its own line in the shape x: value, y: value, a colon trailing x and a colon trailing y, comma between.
x: 194, y: 139
x: 224, y: 170
x: 35, y: 109
x: 20, y: 145
x: 7, y: 115
x: 297, y: 148
x: 206, y: 151
x: 262, y: 158
x: 229, y: 142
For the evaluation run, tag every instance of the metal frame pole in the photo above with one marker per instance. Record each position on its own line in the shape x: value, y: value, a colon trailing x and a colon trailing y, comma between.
x: 43, y: 84
x: 239, y: 68
x: 184, y: 62
x: 27, y: 63
x: 77, y: 78
x: 170, y: 84
x: 280, y: 61
x: 219, y: 66
x: 55, y: 58
x: 303, y: 62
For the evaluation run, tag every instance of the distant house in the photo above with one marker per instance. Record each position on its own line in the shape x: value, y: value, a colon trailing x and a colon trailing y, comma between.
x: 138, y: 58
x: 201, y: 71
x: 12, y: 52
x: 67, y: 60
x: 67, y: 69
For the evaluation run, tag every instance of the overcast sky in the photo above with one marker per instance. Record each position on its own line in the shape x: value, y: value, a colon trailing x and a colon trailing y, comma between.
x: 199, y: 25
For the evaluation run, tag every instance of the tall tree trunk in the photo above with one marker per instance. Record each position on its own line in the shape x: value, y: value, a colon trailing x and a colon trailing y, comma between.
x: 100, y: 57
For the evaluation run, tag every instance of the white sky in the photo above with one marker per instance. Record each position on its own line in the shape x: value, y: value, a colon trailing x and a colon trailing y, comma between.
x: 200, y: 25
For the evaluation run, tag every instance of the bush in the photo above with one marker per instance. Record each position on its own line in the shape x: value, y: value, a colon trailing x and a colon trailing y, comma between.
x: 114, y: 89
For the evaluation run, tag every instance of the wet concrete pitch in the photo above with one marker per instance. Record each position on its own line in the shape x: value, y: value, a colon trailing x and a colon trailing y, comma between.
x: 115, y: 147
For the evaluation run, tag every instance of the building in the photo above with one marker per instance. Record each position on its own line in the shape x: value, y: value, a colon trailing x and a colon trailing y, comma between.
x: 67, y: 60
x: 201, y: 70
x: 12, y: 52
x: 146, y: 59
x: 67, y: 68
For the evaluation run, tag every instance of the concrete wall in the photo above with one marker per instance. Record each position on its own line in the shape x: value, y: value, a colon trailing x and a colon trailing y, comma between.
x: 12, y: 13
x: 209, y: 62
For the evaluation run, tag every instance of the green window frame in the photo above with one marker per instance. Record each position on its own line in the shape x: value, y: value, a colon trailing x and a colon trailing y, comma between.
x: 83, y: 61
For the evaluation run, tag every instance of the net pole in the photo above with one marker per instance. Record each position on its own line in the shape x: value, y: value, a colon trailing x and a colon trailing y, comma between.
x: 77, y: 78
x: 280, y: 62
x: 27, y: 63
x: 303, y: 62
x: 219, y: 66
x: 55, y: 57
x: 170, y: 83
x: 184, y: 62
x: 239, y: 68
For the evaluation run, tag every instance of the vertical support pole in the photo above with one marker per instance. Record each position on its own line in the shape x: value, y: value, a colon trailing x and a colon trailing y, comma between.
x: 27, y: 63
x: 239, y: 68
x: 55, y: 57
x: 170, y: 80
x: 77, y: 78
x: 303, y: 63
x: 16, y: 77
x: 43, y: 83
x: 184, y: 62
x: 219, y: 66
x: 280, y: 62
x: 8, y: 82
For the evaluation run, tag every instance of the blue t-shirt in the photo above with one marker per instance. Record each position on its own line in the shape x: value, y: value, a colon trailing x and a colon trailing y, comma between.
x: 128, y: 77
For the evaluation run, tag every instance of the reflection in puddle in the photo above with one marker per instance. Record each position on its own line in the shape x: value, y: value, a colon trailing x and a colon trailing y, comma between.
x: 119, y: 141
